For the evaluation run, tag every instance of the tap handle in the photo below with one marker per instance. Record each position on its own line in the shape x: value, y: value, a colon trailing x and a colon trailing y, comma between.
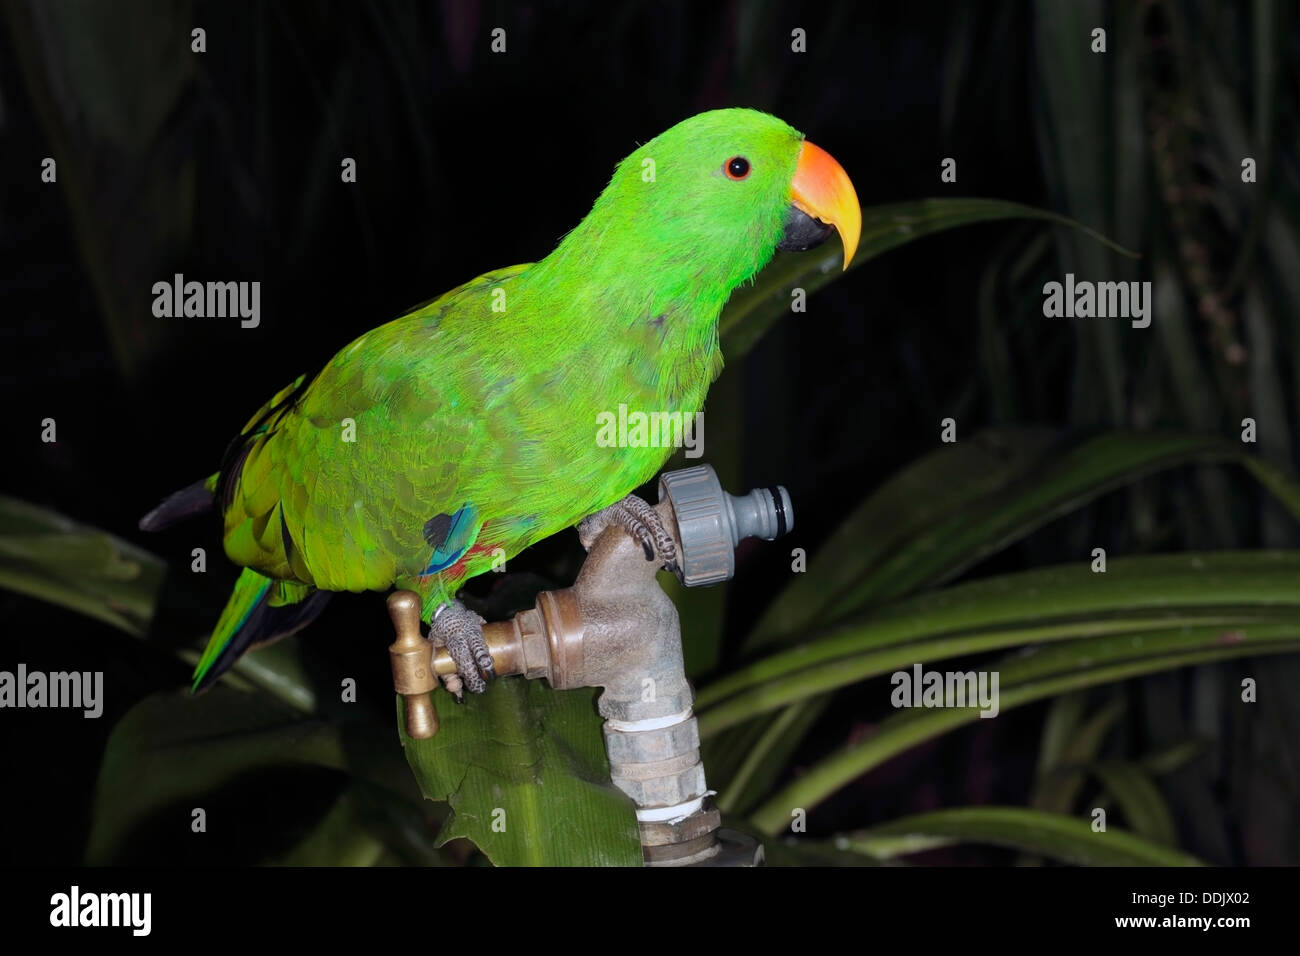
x: 412, y: 660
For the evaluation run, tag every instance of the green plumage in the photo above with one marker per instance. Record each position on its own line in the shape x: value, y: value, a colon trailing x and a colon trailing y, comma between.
x: 466, y: 430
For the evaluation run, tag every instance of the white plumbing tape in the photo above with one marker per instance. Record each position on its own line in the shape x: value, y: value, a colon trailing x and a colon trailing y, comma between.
x: 670, y: 814
x: 648, y: 723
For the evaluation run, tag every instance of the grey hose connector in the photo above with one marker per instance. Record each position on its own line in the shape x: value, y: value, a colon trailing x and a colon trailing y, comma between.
x: 711, y: 522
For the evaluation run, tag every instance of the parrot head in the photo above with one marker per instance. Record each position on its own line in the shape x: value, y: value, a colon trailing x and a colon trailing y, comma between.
x: 721, y: 192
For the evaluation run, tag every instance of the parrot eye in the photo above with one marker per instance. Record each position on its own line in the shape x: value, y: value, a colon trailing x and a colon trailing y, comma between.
x: 736, y: 168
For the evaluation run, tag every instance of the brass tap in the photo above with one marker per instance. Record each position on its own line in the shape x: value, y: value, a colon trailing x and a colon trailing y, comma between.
x: 412, y: 660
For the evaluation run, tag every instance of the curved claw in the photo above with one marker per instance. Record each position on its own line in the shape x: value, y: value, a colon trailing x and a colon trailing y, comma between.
x: 460, y: 630
x: 483, y: 660
x: 638, y: 519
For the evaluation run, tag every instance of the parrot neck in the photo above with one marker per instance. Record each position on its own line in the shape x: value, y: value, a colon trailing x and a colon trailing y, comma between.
x: 648, y: 275
x: 619, y: 274
x: 656, y: 320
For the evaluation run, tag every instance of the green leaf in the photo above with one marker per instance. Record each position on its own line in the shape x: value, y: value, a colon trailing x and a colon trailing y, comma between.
x: 525, y: 771
x: 1049, y: 834
x: 1057, y: 790
x: 920, y: 496
x: 338, y: 839
x: 173, y: 748
x: 1061, y: 483
x: 819, y: 853
x: 920, y: 528
x: 1064, y: 717
x: 1283, y: 486
x: 1044, y: 672
x: 369, y: 826
x: 753, y: 310
x: 1144, y: 594
x: 917, y: 497
x: 751, y: 749
x: 47, y: 556
x: 1139, y: 799
x: 1174, y: 757
x: 762, y: 762
x: 275, y: 668
x: 53, y: 558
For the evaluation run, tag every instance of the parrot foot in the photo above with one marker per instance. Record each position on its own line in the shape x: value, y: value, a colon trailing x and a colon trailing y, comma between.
x: 460, y: 630
x: 638, y: 519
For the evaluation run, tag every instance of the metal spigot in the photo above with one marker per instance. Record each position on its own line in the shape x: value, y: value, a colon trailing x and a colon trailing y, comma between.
x: 707, y: 523
x: 413, y: 675
x: 616, y: 629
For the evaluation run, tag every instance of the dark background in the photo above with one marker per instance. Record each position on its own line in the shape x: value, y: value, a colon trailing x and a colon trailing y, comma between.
x: 225, y: 165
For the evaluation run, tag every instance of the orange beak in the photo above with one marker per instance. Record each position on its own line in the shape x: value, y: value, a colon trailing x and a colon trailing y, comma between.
x: 821, y: 189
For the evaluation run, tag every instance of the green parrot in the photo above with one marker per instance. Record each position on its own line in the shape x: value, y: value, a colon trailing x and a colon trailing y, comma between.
x: 459, y: 434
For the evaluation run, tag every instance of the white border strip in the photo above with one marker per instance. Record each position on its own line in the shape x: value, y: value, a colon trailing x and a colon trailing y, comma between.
x: 661, y: 814
x: 648, y: 723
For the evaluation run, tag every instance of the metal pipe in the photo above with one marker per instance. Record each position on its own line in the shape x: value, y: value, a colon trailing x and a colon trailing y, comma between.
x: 617, y: 629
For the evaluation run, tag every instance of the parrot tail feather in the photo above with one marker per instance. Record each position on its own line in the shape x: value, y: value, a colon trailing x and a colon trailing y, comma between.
x: 189, y: 501
x: 260, y: 610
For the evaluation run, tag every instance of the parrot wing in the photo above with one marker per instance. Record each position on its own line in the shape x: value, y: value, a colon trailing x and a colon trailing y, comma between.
x: 359, y: 478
